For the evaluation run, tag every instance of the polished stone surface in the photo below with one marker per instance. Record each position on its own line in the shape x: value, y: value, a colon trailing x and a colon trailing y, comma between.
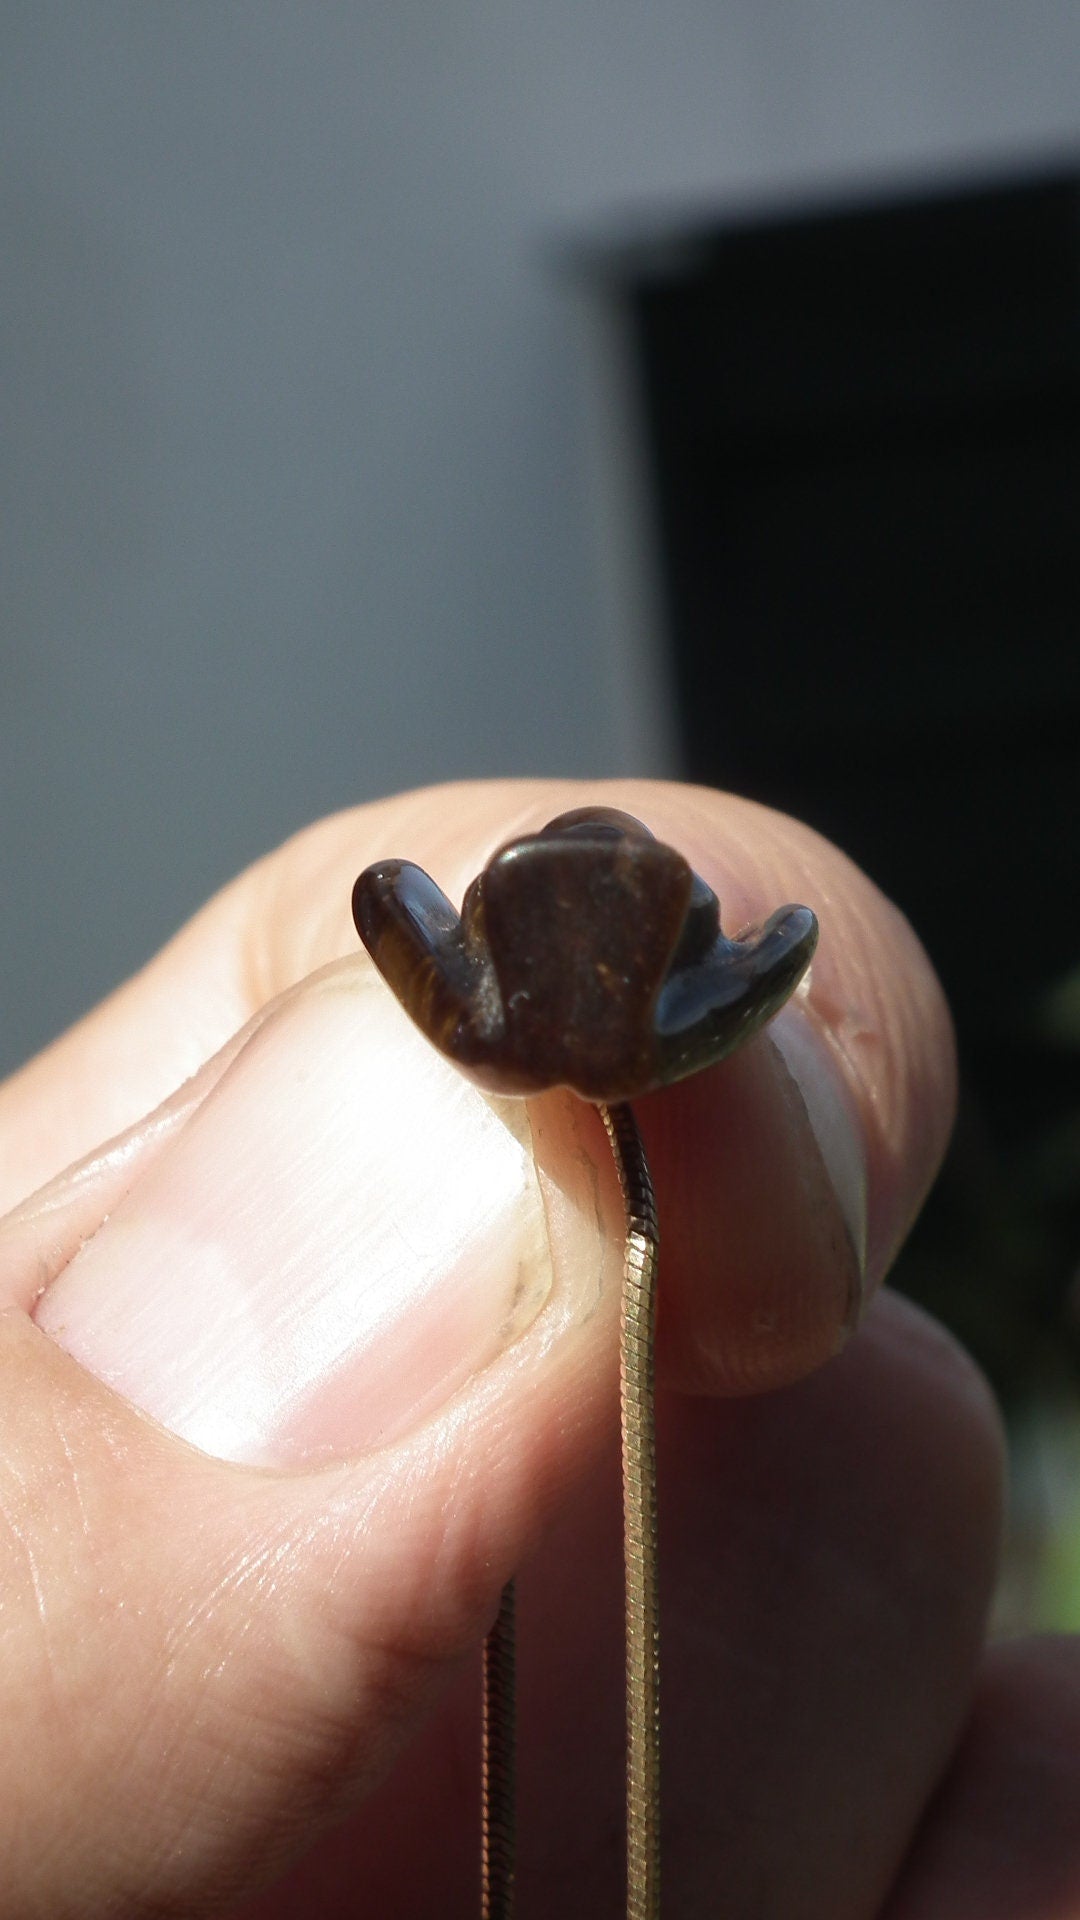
x: 588, y: 955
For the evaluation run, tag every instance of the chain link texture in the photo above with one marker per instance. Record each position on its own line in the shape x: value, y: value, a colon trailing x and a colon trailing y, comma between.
x: 498, y: 1819
x: 639, y: 1518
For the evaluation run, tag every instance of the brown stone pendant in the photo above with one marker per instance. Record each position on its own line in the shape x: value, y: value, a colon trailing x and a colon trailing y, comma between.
x: 587, y: 955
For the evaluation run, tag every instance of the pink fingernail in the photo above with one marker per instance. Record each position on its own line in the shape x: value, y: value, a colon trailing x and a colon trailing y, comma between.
x: 339, y: 1237
x: 833, y: 1122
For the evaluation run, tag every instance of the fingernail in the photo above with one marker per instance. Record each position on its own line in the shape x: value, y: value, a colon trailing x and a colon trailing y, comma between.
x: 41, y: 1234
x: 340, y: 1236
x: 834, y: 1124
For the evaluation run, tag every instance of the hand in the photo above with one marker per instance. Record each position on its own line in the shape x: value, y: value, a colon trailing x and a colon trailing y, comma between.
x: 373, y: 1324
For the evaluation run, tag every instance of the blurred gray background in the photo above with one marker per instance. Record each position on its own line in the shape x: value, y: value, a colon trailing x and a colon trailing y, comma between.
x: 315, y: 479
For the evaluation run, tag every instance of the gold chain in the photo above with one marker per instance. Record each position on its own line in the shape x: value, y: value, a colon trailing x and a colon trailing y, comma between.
x: 497, y: 1779
x: 640, y: 1562
x: 639, y: 1518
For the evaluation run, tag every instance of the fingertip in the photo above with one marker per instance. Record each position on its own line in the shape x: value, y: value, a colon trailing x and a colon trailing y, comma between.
x: 761, y: 1271
x: 790, y: 1175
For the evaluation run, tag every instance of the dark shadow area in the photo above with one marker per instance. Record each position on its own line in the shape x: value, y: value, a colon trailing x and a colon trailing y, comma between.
x: 864, y: 435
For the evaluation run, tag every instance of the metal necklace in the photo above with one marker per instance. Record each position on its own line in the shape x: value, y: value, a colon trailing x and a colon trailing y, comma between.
x: 588, y: 956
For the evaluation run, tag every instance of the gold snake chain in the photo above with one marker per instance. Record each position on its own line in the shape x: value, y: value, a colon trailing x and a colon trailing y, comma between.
x: 640, y: 1563
x: 498, y: 1820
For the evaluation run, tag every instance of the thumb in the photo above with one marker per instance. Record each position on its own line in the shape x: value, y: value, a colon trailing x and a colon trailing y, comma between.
x: 347, y: 1280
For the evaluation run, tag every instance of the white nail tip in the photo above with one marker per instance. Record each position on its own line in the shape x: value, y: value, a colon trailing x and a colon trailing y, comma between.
x: 832, y: 1118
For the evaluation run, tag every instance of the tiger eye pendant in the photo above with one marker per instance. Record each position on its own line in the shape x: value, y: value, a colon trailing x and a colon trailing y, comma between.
x: 589, y: 956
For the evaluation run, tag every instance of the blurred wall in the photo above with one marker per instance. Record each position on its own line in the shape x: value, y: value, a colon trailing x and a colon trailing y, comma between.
x: 301, y: 500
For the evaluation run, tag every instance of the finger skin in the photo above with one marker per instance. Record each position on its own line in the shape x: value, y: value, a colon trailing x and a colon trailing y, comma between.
x: 829, y: 1554
x: 201, y: 1665
x: 1002, y: 1837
